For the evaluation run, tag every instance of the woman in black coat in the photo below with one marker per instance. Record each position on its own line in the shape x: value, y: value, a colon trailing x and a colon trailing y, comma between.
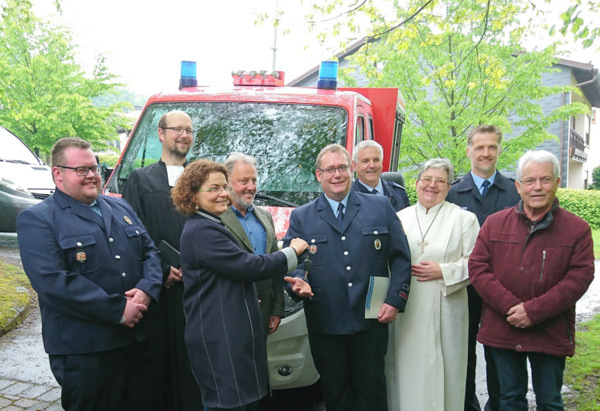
x: 224, y: 334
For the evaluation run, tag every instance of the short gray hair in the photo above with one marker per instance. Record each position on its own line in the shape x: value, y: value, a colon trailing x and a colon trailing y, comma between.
x: 540, y: 157
x: 236, y: 157
x: 441, y: 164
x: 366, y: 144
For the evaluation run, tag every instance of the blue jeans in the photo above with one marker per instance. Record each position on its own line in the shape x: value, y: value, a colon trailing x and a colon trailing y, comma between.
x: 546, y: 377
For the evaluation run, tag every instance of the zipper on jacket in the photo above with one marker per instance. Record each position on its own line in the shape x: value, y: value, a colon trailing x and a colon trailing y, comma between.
x: 543, y: 262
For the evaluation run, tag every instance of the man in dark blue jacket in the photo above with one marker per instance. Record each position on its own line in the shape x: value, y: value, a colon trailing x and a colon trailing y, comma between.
x: 483, y: 191
x: 96, y: 271
x: 367, y: 162
x: 354, y: 239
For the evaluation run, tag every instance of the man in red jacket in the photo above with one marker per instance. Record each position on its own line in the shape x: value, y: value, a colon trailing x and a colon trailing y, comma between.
x: 530, y: 265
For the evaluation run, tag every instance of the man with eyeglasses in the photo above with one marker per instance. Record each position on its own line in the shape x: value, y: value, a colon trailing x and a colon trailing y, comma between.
x: 254, y: 231
x: 96, y: 272
x: 483, y: 191
x: 367, y: 162
x: 148, y: 190
x: 530, y: 265
x: 354, y: 239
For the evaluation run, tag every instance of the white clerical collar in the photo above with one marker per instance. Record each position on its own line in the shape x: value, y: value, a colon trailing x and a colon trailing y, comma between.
x: 433, y: 209
x: 174, y: 172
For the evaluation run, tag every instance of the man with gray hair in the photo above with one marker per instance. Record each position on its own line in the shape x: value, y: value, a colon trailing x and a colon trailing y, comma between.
x: 254, y: 231
x: 367, y: 162
x: 530, y: 265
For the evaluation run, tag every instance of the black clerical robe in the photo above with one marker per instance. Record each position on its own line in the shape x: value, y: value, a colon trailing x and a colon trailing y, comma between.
x: 147, y: 190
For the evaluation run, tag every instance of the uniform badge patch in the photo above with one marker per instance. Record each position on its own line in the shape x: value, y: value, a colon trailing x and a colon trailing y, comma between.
x: 127, y: 220
x: 81, y: 256
x: 377, y: 244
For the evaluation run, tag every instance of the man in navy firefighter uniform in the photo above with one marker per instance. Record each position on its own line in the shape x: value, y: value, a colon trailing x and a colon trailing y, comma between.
x: 96, y: 271
x: 351, y: 237
x: 367, y: 162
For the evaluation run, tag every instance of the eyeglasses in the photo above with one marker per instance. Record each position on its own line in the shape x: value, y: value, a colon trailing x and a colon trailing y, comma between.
x: 214, y: 190
x: 83, y: 171
x: 544, y: 181
x: 438, y: 182
x: 179, y: 131
x: 331, y: 171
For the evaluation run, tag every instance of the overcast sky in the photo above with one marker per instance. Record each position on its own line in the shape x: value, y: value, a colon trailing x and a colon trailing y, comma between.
x: 145, y: 40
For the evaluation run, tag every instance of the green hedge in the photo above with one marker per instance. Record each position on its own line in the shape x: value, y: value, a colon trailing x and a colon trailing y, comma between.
x: 584, y: 203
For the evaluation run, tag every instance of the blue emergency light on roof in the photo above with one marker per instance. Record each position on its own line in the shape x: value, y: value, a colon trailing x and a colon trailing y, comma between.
x: 188, y: 74
x: 328, y: 75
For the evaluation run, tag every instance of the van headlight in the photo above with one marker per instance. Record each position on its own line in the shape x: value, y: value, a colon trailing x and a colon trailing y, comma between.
x: 291, y: 306
x: 9, y: 186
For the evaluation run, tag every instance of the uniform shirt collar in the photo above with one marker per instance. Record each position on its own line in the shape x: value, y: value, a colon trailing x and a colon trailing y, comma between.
x: 378, y: 187
x: 479, y: 181
x: 334, y: 204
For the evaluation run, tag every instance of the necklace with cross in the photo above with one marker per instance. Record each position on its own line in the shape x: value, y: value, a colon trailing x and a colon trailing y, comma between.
x: 422, y: 244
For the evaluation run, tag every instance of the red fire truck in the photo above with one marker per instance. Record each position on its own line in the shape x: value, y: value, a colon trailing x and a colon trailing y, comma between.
x: 284, y: 128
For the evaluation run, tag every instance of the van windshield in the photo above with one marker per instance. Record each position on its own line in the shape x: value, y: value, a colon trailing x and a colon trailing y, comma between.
x: 284, y: 138
x: 14, y: 150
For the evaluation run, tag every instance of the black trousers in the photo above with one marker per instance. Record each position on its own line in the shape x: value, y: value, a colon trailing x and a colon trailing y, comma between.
x: 107, y: 380
x: 352, y: 369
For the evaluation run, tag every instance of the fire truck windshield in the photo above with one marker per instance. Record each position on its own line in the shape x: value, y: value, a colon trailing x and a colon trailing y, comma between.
x: 284, y: 138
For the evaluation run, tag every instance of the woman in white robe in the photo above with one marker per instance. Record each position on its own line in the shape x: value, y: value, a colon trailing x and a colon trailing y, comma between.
x: 426, y: 364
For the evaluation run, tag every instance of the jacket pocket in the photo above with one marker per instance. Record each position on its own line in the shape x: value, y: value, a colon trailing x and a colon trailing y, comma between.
x: 134, y: 235
x: 81, y: 253
x: 317, y: 252
x: 376, y: 240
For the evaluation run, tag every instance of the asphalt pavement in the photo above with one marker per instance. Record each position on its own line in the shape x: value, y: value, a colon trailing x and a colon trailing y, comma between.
x: 26, y: 382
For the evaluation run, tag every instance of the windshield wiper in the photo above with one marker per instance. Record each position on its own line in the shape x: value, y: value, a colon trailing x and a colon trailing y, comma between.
x: 264, y: 196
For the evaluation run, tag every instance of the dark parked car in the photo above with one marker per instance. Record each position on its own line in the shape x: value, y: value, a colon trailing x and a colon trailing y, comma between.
x: 25, y: 180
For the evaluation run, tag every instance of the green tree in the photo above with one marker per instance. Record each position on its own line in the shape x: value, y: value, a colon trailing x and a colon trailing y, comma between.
x: 595, y: 179
x: 121, y: 94
x: 44, y: 93
x: 574, y: 18
x: 458, y: 64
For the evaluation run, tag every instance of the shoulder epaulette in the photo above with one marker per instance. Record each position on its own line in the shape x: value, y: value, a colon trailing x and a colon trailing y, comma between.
x: 393, y: 183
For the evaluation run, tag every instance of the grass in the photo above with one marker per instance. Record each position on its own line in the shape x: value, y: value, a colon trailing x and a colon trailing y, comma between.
x: 582, y: 371
x: 15, y: 292
x: 596, y: 237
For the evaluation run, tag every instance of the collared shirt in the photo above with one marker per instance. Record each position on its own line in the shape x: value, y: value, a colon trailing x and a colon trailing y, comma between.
x: 479, y: 181
x: 254, y: 229
x: 378, y: 187
x: 94, y: 206
x: 334, y: 204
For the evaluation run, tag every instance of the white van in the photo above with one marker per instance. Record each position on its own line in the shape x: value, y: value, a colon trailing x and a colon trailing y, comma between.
x: 25, y: 180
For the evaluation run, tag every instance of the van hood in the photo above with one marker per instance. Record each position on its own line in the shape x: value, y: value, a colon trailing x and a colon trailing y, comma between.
x: 36, y: 178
